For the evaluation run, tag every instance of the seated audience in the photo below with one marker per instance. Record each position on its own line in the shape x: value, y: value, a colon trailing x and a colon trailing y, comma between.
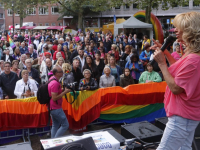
x: 15, y: 66
x: 33, y: 73
x: 46, y: 70
x: 1, y: 66
x: 17, y: 54
x: 8, y: 81
x: 22, y: 62
x: 68, y: 76
x: 177, y: 54
x: 7, y: 57
x: 126, y: 78
x: 135, y: 66
x: 107, y: 80
x: 87, y: 83
x: 150, y: 75
x: 25, y: 87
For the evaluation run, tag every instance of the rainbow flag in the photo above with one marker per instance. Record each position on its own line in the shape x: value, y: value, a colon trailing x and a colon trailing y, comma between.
x: 12, y: 44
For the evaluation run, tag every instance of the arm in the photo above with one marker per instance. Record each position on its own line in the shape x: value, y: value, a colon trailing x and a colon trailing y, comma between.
x: 113, y: 84
x: 169, y: 57
x: 142, y: 57
x: 157, y: 78
x: 141, y: 79
x: 101, y: 83
x: 121, y: 83
x: 17, y: 90
x: 56, y: 96
x: 141, y: 68
x: 160, y: 58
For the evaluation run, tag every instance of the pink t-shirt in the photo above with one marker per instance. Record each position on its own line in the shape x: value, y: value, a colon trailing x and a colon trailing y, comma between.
x: 55, y: 87
x: 176, y: 56
x: 186, y: 73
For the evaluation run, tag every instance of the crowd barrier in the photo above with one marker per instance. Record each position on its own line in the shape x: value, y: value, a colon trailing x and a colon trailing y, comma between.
x: 113, y: 105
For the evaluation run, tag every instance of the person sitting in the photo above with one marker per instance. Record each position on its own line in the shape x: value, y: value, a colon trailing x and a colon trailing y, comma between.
x: 17, y: 54
x: 146, y: 54
x: 87, y: 83
x: 115, y: 70
x: 46, y: 70
x: 7, y: 57
x: 15, y: 67
x: 177, y: 54
x: 23, y: 48
x: 25, y: 87
x: 107, y: 80
x: 33, y: 73
x: 68, y: 75
x: 22, y: 62
x: 149, y: 75
x: 1, y: 66
x: 8, y: 81
x: 126, y: 78
x: 135, y: 66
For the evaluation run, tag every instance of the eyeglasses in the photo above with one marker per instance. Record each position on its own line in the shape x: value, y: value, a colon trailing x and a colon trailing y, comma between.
x: 59, y: 71
x: 28, y: 62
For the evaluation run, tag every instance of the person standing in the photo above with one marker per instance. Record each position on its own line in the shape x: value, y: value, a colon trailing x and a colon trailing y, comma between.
x: 59, y: 120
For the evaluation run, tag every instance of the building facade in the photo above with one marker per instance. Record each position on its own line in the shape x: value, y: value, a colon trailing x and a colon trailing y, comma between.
x: 2, y: 18
x: 40, y: 16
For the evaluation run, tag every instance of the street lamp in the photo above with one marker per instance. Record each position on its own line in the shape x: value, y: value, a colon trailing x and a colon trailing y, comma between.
x: 13, y: 16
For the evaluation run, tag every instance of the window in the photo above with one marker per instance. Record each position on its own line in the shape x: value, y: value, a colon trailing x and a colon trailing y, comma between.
x: 43, y: 11
x: 186, y: 4
x: 135, y: 6
x: 54, y: 10
x: 17, y: 13
x: 60, y: 24
x: 53, y: 24
x: 40, y: 24
x: 31, y: 11
x: 126, y: 6
x: 1, y: 15
x: 118, y: 7
x: 10, y: 12
x: 46, y: 24
x: 195, y: 4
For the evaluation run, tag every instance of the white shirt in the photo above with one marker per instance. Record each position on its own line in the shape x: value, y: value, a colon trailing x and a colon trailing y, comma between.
x: 36, y: 42
x: 8, y: 58
x: 20, y: 85
x: 82, y: 62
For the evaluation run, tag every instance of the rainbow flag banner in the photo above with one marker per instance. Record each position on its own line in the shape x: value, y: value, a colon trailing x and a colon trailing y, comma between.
x: 112, y: 105
x: 12, y: 44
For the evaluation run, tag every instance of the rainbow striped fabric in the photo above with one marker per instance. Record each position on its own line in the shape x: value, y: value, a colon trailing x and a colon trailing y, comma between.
x: 112, y: 105
x: 12, y: 44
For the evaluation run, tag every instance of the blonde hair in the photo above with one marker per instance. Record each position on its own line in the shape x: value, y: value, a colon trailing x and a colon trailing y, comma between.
x: 189, y: 24
x: 116, y: 47
x: 24, y: 71
x: 66, y: 67
x: 60, y: 58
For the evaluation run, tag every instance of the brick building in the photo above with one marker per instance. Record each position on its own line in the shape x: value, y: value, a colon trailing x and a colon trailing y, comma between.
x: 2, y: 18
x: 40, y: 16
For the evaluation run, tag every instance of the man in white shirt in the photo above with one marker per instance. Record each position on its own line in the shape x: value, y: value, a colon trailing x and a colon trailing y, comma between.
x: 36, y: 41
x: 81, y: 59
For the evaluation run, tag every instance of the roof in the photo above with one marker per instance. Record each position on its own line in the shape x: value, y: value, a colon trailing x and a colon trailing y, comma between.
x: 58, y: 27
x: 27, y: 27
x: 40, y: 27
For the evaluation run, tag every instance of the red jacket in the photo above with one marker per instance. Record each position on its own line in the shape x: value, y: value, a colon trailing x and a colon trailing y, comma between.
x: 116, y: 55
x: 54, y: 55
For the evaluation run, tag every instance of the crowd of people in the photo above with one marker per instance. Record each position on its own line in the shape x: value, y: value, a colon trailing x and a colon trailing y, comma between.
x: 92, y: 61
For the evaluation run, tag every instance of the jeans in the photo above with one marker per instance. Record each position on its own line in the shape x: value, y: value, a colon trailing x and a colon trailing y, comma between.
x: 178, y: 134
x: 59, y: 123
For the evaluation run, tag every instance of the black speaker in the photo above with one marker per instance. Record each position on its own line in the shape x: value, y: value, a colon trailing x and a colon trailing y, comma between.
x: 161, y: 122
x: 142, y: 130
x: 114, y: 133
x: 83, y: 144
x: 19, y: 146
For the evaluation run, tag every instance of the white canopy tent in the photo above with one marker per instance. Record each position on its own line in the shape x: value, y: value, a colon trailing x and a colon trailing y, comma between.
x: 132, y: 22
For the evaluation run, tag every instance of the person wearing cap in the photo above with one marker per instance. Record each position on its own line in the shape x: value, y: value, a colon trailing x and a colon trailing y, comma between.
x: 16, y: 38
x: 23, y: 48
x: 7, y: 57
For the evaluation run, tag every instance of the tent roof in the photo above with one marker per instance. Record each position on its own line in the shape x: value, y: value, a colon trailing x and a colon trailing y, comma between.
x: 40, y: 27
x: 132, y: 22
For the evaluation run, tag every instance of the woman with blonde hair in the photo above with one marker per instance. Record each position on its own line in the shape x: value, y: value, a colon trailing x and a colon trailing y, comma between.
x: 182, y: 96
x: 17, y: 54
x: 60, y: 62
x: 114, y: 52
x: 68, y: 76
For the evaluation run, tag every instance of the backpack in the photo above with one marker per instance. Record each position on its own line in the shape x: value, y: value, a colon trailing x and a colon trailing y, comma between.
x: 43, y: 93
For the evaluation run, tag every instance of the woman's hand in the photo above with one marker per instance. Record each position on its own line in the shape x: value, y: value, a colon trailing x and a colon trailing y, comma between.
x: 159, y: 57
x: 156, y: 44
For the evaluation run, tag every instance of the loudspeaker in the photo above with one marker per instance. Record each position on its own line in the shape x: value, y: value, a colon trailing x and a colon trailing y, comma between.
x: 83, y: 144
x: 142, y: 130
x: 19, y: 146
x: 115, y: 134
x: 161, y: 122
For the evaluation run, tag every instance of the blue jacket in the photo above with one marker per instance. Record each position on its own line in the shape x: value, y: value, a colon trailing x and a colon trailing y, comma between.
x: 132, y: 43
x: 34, y: 55
x: 138, y: 65
x: 142, y: 56
x: 23, y: 51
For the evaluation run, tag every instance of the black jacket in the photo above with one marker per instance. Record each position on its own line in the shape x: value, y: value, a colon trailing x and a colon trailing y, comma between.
x: 92, y: 84
x: 74, y: 54
x: 107, y: 46
x: 8, y: 82
x: 77, y: 76
x: 4, y: 58
x: 35, y: 75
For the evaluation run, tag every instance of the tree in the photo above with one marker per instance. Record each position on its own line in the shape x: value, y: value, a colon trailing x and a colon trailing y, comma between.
x: 22, y: 7
x: 81, y: 8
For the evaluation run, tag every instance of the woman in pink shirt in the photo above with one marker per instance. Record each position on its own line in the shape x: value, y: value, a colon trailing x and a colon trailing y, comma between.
x: 177, y: 54
x: 182, y: 96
